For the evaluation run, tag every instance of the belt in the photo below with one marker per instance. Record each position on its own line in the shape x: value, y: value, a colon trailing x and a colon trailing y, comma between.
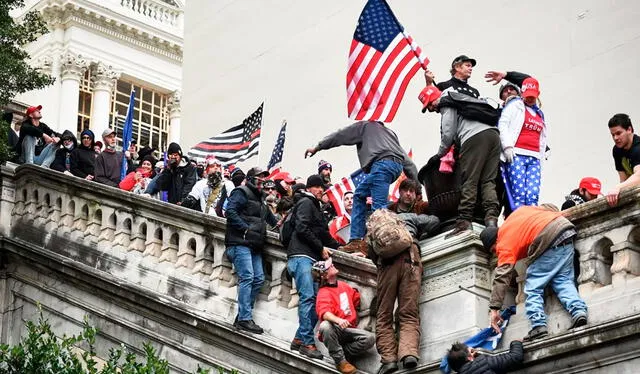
x: 391, y: 158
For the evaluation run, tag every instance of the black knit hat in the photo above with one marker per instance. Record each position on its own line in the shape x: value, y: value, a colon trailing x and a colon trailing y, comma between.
x: 314, y: 181
x: 174, y: 148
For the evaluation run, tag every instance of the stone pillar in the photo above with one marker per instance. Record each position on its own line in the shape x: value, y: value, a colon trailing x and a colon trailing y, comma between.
x: 103, y: 78
x: 174, y: 116
x: 72, y: 69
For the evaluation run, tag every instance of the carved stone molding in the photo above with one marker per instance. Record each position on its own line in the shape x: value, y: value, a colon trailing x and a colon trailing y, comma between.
x: 44, y: 63
x: 103, y: 76
x: 73, y: 66
x: 174, y: 104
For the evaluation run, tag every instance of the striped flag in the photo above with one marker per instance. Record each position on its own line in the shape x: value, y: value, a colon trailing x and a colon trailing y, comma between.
x: 234, y: 145
x: 394, y: 188
x: 276, y: 156
x: 337, y: 191
x: 382, y: 60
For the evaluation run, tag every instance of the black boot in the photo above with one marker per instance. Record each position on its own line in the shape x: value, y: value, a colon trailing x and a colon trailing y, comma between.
x: 460, y: 227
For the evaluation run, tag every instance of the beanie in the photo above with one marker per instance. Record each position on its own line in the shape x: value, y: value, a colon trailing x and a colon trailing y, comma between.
x: 324, y: 165
x: 174, y: 148
x: 314, y: 181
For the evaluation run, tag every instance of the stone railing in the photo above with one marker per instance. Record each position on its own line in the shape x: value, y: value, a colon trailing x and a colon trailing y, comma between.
x: 177, y: 256
x: 156, y: 10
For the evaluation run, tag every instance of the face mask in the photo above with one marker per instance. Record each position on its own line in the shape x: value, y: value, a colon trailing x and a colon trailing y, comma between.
x: 110, y: 147
x: 214, y: 179
x: 69, y: 147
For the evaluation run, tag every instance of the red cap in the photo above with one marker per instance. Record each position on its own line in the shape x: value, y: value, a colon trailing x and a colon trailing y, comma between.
x: 530, y: 88
x: 285, y: 176
x: 32, y: 109
x: 211, y: 160
x: 592, y: 185
x: 428, y: 95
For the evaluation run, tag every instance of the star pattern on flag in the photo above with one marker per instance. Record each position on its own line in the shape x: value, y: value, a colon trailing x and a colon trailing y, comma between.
x: 252, y: 124
x: 376, y: 26
x: 276, y: 155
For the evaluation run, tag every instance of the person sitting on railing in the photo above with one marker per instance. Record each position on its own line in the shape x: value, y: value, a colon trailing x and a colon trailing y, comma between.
x: 37, y: 143
x: 626, y: 155
x: 83, y: 158
x: 337, y: 307
x: 109, y: 162
x: 178, y: 179
x: 310, y: 242
x: 247, y: 219
x: 137, y: 181
x: 465, y: 360
x: 62, y: 160
x: 544, y: 237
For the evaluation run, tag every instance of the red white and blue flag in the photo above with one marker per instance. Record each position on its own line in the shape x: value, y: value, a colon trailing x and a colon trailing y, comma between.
x: 276, y: 156
x: 337, y: 191
x: 382, y: 60
x: 234, y: 145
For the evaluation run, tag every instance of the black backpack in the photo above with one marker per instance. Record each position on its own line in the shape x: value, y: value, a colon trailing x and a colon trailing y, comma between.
x: 288, y: 227
x: 472, y: 108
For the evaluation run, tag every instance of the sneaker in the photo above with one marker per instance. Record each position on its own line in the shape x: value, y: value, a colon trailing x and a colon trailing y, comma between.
x: 387, y: 368
x: 578, y: 322
x: 249, y: 326
x: 311, y: 351
x: 355, y: 246
x: 536, y: 333
x: 345, y: 367
x: 409, y: 362
x: 295, y: 344
x: 460, y: 227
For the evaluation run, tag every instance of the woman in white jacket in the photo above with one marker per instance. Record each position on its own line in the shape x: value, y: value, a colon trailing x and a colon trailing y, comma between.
x: 523, y: 134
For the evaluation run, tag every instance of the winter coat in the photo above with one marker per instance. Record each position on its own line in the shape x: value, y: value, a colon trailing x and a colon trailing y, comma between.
x: 83, y: 159
x: 129, y: 181
x: 510, y: 125
x: 247, y: 218
x: 177, y: 181
x: 311, y: 233
x: 498, y: 364
x: 107, y: 169
x: 64, y: 156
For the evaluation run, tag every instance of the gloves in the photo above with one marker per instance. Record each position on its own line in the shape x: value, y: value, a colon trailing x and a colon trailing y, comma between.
x: 509, y: 154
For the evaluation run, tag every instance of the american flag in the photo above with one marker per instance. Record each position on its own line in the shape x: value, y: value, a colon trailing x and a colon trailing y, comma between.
x: 276, y: 155
x: 337, y: 191
x: 382, y: 60
x: 234, y: 145
x: 394, y: 188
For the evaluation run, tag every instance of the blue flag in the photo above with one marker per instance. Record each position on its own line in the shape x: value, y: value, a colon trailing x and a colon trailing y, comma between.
x: 127, y: 132
x: 486, y: 339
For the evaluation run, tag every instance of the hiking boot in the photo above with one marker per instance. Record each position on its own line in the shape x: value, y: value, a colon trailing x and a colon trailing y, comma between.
x: 387, y: 368
x: 536, y: 333
x: 295, y: 344
x: 345, y: 367
x: 460, y: 227
x: 311, y: 351
x: 355, y: 246
x: 409, y: 362
x: 578, y: 322
x: 249, y: 326
x: 491, y: 222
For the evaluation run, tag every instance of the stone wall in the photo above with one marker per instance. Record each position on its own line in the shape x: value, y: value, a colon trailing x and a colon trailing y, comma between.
x: 144, y: 270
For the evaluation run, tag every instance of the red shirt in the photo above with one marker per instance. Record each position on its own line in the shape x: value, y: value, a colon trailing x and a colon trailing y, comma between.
x: 532, y: 127
x: 341, y: 300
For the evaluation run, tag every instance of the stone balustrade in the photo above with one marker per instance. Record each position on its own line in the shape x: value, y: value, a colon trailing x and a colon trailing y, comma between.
x: 156, y: 10
x: 178, y: 255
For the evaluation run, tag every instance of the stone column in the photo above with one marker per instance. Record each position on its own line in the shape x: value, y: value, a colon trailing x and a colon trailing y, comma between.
x: 103, y: 78
x: 73, y: 67
x: 174, y: 116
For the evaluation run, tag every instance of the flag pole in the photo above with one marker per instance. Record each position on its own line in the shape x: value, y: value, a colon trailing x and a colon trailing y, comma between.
x: 284, y: 123
x: 415, y: 53
x: 264, y: 100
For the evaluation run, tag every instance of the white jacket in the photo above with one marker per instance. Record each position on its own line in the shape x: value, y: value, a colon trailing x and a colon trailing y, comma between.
x: 510, y: 125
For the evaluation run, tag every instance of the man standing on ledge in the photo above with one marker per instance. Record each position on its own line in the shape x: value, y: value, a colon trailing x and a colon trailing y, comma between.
x: 382, y: 157
x: 626, y: 155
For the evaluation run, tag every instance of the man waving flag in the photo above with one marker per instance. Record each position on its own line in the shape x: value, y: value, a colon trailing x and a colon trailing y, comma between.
x: 382, y: 60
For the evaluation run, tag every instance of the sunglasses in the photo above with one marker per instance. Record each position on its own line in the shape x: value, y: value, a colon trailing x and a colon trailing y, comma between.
x: 269, y: 189
x: 85, y: 137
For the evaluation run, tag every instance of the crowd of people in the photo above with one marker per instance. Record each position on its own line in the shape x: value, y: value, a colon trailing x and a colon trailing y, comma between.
x: 482, y: 143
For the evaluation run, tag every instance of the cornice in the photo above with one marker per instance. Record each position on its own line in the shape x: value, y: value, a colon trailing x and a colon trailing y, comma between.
x: 113, y: 25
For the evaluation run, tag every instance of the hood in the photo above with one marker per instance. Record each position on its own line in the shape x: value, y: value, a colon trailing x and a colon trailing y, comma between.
x: 93, y: 139
x: 68, y: 133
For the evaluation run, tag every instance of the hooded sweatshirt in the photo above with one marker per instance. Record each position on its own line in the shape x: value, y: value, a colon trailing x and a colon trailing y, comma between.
x: 83, y: 159
x: 62, y: 161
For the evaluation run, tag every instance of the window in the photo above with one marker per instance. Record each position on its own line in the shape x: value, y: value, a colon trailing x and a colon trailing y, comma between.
x: 150, y: 114
x: 84, y: 103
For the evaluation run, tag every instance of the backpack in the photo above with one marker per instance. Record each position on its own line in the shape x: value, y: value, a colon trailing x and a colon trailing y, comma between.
x: 472, y: 108
x: 387, y: 234
x: 287, y: 228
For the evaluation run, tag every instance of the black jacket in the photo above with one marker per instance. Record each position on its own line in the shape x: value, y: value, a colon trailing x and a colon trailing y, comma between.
x: 573, y: 199
x: 177, y: 181
x: 502, y: 363
x: 247, y: 218
x: 459, y: 85
x: 60, y: 161
x: 27, y: 128
x: 83, y: 159
x: 310, y: 233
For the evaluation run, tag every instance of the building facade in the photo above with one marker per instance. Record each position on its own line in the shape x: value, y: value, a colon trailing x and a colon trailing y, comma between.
x: 98, y: 51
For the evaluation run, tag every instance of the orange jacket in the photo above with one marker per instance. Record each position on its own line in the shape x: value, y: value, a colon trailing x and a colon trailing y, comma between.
x: 519, y: 230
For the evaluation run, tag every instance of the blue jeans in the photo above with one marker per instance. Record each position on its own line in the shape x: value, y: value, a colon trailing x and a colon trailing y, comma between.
x: 554, y: 267
x: 248, y: 266
x: 300, y: 269
x: 376, y: 185
x: 45, y: 158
